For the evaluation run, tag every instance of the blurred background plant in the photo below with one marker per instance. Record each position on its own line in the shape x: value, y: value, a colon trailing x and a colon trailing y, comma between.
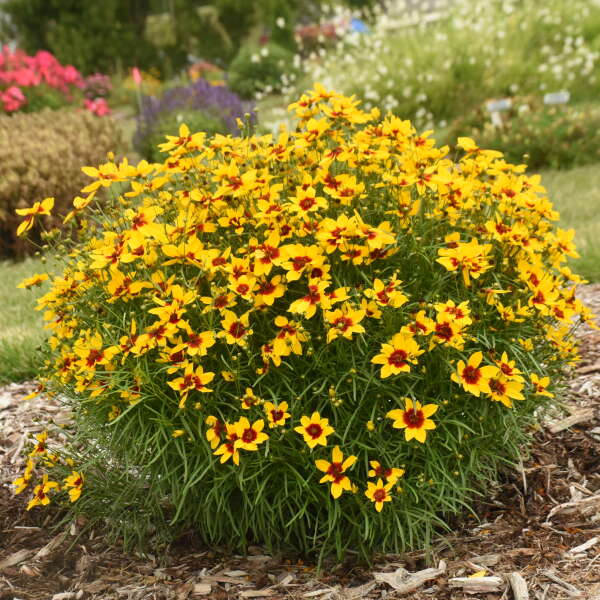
x: 201, y: 105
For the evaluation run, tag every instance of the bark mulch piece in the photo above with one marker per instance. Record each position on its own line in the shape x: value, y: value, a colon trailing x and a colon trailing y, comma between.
x: 536, y: 536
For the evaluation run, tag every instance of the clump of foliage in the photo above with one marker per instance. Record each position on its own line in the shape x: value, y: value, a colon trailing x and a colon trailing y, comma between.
x: 53, y: 145
x: 557, y: 136
x: 207, y: 107
x: 324, y: 341
x: 259, y: 69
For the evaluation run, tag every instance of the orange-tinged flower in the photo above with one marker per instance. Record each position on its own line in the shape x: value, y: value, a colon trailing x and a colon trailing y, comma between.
x: 314, y: 430
x: 335, y: 471
x: 250, y: 399
x: 22, y: 482
x: 472, y: 377
x: 276, y: 415
x: 414, y: 419
x: 397, y: 355
x: 379, y: 493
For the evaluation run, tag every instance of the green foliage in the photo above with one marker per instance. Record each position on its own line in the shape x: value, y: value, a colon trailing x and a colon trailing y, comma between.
x: 259, y: 69
x: 52, y: 148
x: 169, y: 123
x: 559, y: 136
x: 92, y: 36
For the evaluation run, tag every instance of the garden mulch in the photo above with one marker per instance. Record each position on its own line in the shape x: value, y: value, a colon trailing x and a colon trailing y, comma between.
x: 537, y: 535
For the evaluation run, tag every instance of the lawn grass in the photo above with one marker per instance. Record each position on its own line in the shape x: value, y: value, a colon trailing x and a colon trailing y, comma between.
x: 21, y: 332
x: 576, y: 195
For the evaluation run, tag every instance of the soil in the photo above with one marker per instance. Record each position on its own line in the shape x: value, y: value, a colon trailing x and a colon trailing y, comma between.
x: 539, y: 528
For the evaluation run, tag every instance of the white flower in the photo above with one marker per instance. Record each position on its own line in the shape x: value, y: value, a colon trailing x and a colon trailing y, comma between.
x: 264, y: 51
x: 280, y: 22
x: 255, y: 58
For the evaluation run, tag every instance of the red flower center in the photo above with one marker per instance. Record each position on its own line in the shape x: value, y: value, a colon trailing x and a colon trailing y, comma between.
x: 277, y: 415
x: 299, y: 262
x: 471, y: 375
x: 379, y: 495
x: 497, y: 386
x: 414, y: 419
x: 314, y: 430
x: 249, y: 435
x: 397, y: 358
x: 237, y: 330
x: 336, y: 471
x: 444, y: 331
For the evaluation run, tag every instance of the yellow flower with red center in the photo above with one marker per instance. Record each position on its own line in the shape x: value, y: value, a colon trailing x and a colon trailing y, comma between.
x: 249, y: 436
x: 40, y: 449
x: 379, y: 493
x: 22, y: 482
x: 472, y: 377
x: 36, y: 279
x: 390, y: 474
x: 469, y: 258
x: 387, y: 294
x: 300, y: 259
x: 344, y: 322
x: 40, y: 492
x: 267, y: 254
x: 228, y: 449
x: 316, y: 297
x: 39, y: 208
x: 397, y: 355
x: 306, y: 201
x: 540, y: 385
x: 267, y: 291
x: 335, y: 471
x: 250, y: 399
x: 191, y: 380
x: 508, y: 369
x: 447, y: 332
x: 215, y: 429
x: 504, y: 390
x: 314, y: 430
x: 276, y: 415
x: 453, y: 313
x: 74, y: 483
x: 235, y: 329
x: 414, y: 419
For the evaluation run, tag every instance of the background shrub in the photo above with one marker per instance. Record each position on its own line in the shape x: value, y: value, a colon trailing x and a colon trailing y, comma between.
x: 233, y: 321
x: 559, y: 136
x: 201, y: 105
x: 52, y: 147
x: 259, y: 69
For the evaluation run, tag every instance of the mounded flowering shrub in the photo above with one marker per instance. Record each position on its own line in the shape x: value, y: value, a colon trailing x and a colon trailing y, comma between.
x: 326, y: 341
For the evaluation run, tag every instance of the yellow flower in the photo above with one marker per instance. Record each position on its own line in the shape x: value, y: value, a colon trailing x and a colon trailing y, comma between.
x: 249, y: 436
x: 540, y: 384
x: 276, y: 415
x: 379, y: 493
x: 335, y: 471
x: 40, y: 493
x: 472, y: 377
x: 391, y: 475
x: 36, y: 279
x: 39, y: 208
x: 344, y: 322
x: 314, y: 430
x: 235, y: 329
x: 414, y: 419
x: 215, y: 430
x: 74, y: 483
x: 397, y: 355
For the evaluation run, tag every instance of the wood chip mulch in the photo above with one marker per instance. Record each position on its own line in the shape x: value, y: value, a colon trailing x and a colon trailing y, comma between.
x: 537, y: 536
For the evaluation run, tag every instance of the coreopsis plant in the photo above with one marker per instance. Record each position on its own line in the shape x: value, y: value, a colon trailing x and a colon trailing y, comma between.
x: 326, y: 340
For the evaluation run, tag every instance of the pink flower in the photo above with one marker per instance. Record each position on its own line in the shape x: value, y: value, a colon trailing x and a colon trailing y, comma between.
x: 136, y: 76
x: 13, y: 99
x: 97, y: 107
